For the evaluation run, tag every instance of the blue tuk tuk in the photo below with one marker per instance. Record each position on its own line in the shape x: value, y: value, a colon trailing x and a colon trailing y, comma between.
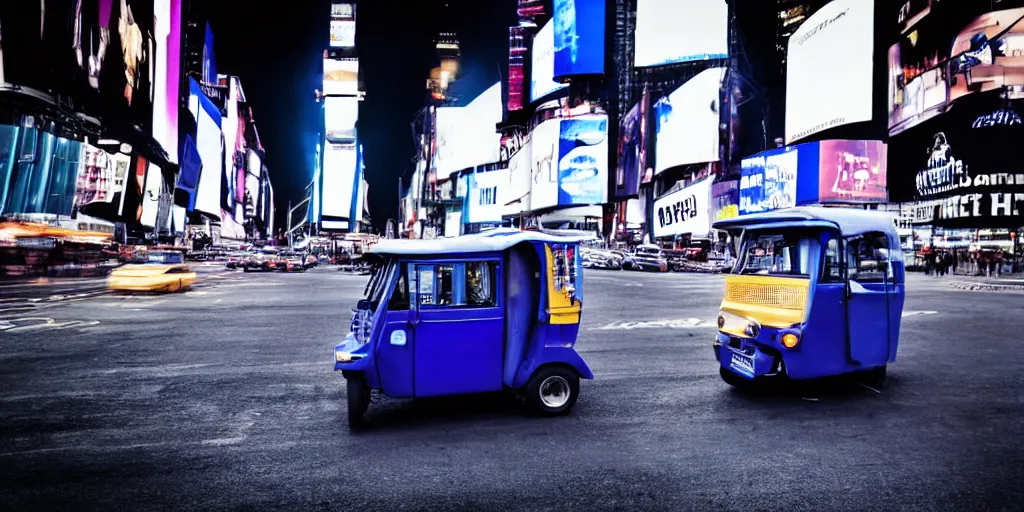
x: 472, y: 314
x: 815, y: 292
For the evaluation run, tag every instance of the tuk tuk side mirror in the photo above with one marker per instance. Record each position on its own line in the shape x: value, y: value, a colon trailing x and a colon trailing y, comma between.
x: 363, y: 304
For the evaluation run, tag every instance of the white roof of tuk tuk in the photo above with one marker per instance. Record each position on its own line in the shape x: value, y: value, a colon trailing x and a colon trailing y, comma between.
x: 849, y: 221
x: 494, y: 240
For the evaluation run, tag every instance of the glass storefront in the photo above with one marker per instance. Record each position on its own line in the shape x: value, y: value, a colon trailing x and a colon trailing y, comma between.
x: 38, y: 171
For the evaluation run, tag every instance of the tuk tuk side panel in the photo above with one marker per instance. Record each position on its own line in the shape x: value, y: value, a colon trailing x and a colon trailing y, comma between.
x: 822, y: 349
x: 522, y: 298
x: 394, y: 356
x: 563, y: 303
x: 548, y: 346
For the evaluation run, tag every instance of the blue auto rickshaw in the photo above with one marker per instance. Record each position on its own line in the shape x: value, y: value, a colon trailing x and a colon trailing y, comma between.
x: 815, y: 292
x: 479, y: 313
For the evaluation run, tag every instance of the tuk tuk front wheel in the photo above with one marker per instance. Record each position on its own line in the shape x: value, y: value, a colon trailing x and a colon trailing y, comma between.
x: 553, y: 390
x: 358, y: 395
x: 734, y: 380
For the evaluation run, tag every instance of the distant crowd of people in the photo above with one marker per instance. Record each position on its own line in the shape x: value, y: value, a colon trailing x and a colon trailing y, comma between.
x: 941, y: 262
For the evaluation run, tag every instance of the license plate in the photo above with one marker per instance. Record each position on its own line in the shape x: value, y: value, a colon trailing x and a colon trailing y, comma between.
x: 742, y: 363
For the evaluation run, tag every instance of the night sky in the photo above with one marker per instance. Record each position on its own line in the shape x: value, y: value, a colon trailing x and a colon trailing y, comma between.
x: 277, y: 51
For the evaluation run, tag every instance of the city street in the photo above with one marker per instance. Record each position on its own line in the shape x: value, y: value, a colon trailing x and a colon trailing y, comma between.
x: 224, y: 398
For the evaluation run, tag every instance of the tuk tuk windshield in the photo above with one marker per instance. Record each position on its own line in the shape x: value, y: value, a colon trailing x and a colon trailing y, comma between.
x: 378, y: 283
x: 779, y: 253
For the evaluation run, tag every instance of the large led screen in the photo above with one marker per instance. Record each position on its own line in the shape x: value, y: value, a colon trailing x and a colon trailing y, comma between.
x: 466, y: 136
x: 482, y: 196
x: 725, y: 200
x: 211, y: 151
x: 627, y: 170
x: 852, y: 171
x: 151, y: 196
x: 579, y: 37
x: 685, y: 211
x: 830, y: 69
x: 340, y: 116
x: 341, y: 77
x: 544, y: 165
x: 513, y: 194
x: 167, y: 75
x: 687, y: 122
x: 768, y: 181
x: 670, y: 31
x: 338, y: 180
x: 570, y: 162
x: 343, y: 33
x: 542, y: 73
x: 944, y: 59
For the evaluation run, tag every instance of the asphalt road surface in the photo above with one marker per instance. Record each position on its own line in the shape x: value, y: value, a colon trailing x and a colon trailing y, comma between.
x: 224, y: 398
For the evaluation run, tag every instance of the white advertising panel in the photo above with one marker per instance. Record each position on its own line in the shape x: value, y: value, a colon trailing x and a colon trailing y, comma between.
x: 513, y: 193
x: 453, y: 224
x: 338, y: 180
x: 543, y: 64
x: 211, y: 152
x: 340, y: 116
x: 670, y: 31
x: 466, y: 136
x: 685, y: 211
x: 482, y: 203
x: 151, y: 196
x: 343, y: 33
x: 544, y: 165
x: 687, y: 122
x: 829, y: 73
x: 341, y: 77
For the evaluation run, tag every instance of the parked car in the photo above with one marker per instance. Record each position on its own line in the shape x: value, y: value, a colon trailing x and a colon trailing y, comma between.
x: 163, y: 271
x: 648, y: 258
x: 312, y: 260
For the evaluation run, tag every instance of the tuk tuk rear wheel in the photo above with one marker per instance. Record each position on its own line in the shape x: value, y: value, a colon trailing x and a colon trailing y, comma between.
x: 553, y: 390
x: 358, y: 400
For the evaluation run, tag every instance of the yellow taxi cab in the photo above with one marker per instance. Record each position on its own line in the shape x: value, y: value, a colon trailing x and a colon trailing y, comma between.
x: 163, y: 271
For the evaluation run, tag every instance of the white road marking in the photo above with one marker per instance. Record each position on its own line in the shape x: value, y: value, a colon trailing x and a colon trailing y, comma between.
x: 918, y: 313
x: 679, y: 323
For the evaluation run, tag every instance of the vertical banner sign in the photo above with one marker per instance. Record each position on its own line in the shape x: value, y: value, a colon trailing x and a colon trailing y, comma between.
x: 579, y: 37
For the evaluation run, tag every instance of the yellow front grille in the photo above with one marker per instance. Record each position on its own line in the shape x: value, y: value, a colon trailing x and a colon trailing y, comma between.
x: 770, y: 295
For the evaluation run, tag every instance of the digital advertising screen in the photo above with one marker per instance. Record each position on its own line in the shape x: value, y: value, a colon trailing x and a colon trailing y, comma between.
x: 210, y: 144
x: 830, y: 69
x: 583, y: 160
x: 578, y: 37
x: 482, y: 203
x: 627, y: 170
x: 768, y: 180
x: 518, y: 186
x: 967, y: 163
x: 852, y: 171
x: 338, y: 180
x: 151, y: 196
x: 671, y: 31
x: 341, y: 77
x: 340, y: 116
x: 725, y: 200
x: 167, y: 75
x: 252, y: 182
x: 950, y: 54
x: 687, y: 120
x: 466, y: 136
x: 544, y: 165
x: 542, y: 71
x: 685, y: 211
x: 343, y: 33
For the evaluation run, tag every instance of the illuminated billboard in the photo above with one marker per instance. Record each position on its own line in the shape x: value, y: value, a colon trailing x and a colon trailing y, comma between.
x: 570, y: 162
x: 830, y: 69
x: 942, y: 60
x: 627, y: 170
x: 343, y: 33
x: 768, y: 180
x: 339, y: 175
x: 542, y: 72
x: 852, y: 171
x: 578, y: 37
x: 211, y: 150
x: 340, y: 116
x: 685, y: 211
x: 687, y: 122
x: 341, y: 77
x: 671, y: 31
x: 167, y: 75
x: 466, y: 136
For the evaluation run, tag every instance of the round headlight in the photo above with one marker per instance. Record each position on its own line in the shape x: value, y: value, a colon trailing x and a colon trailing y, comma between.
x: 721, y: 321
x: 790, y: 340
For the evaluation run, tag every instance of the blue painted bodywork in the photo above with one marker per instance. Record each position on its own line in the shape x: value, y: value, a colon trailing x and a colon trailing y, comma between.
x: 841, y: 332
x: 453, y: 350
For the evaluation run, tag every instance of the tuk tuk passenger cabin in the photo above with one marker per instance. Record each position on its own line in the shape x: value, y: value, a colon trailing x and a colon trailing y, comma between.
x: 471, y: 314
x: 815, y: 292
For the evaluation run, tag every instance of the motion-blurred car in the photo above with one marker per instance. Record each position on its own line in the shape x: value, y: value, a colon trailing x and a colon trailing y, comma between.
x: 648, y: 258
x: 236, y: 259
x: 291, y: 262
x: 312, y: 261
x: 264, y: 260
x: 597, y: 258
x: 164, y: 271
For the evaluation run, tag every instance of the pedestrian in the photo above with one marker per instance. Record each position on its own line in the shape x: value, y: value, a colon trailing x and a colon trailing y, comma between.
x: 949, y: 263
